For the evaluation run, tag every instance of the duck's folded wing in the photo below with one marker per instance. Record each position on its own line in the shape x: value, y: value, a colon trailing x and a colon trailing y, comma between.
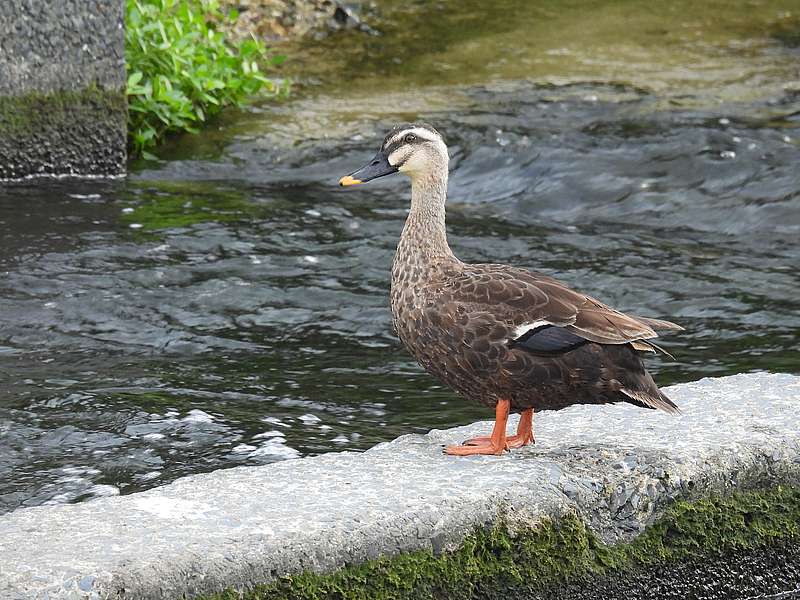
x: 659, y: 324
x: 534, y: 303
x: 548, y: 340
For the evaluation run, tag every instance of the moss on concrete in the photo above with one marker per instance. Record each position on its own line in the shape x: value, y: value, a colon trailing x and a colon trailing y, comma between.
x: 491, y: 562
x: 23, y: 115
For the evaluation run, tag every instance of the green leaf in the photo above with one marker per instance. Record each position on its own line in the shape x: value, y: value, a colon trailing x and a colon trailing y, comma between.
x: 134, y: 78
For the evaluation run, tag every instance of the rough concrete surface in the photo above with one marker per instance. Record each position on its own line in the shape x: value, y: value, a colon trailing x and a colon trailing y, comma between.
x: 62, y: 82
x: 48, y: 45
x: 618, y: 466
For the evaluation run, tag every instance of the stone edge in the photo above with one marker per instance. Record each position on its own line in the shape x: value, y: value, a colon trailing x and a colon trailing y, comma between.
x: 731, y: 545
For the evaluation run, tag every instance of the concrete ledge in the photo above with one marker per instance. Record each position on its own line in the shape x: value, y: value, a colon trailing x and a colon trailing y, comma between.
x: 63, y: 133
x: 598, y: 477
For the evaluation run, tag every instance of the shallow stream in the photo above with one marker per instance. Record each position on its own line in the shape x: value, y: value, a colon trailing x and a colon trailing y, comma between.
x: 227, y: 305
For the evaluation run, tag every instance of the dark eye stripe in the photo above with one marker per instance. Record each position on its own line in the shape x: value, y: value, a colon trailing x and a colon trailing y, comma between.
x: 394, y: 146
x: 402, y: 142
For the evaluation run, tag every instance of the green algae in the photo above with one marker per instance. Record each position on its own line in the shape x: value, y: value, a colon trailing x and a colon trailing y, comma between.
x: 676, y: 48
x: 492, y: 562
x: 166, y: 205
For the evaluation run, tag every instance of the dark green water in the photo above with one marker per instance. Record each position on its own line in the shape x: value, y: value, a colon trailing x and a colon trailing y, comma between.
x: 228, y: 304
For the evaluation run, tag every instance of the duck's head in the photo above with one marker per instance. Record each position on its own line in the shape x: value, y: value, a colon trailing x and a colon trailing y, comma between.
x: 415, y: 149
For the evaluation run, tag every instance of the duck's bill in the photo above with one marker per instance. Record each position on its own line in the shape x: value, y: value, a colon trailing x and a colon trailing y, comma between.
x: 378, y: 167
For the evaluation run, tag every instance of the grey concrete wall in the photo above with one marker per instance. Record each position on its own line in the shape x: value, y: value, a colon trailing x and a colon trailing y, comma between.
x: 618, y: 468
x: 62, y: 87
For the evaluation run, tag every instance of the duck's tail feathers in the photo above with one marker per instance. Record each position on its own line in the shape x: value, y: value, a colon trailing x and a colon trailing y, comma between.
x: 660, y: 402
x: 648, y: 346
x: 659, y: 324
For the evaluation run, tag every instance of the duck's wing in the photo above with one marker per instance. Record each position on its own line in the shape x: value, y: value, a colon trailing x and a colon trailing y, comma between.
x: 545, y: 313
x: 659, y: 324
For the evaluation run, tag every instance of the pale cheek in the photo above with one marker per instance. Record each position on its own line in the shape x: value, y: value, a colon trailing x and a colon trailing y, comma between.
x: 397, y: 157
x: 411, y: 165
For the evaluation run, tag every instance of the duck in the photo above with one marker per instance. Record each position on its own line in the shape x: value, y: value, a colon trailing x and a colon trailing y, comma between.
x: 509, y: 338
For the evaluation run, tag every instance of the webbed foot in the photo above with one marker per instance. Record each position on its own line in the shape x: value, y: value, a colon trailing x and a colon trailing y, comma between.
x: 492, y: 445
x: 523, y: 437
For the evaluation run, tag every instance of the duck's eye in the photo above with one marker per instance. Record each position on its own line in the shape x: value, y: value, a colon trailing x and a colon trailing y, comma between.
x: 410, y: 138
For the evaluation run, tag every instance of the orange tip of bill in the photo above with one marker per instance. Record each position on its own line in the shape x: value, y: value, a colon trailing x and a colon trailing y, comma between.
x: 347, y: 180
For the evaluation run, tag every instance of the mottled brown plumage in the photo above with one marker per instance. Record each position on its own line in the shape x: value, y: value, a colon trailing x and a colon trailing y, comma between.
x: 507, y: 337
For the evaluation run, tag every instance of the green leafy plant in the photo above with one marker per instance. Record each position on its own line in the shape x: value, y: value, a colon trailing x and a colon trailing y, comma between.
x: 181, y: 70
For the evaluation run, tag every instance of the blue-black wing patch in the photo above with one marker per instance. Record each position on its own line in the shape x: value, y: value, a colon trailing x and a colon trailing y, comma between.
x: 548, y: 339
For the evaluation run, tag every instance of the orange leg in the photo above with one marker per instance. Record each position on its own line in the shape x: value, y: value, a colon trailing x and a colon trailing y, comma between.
x: 495, y: 443
x: 523, y: 437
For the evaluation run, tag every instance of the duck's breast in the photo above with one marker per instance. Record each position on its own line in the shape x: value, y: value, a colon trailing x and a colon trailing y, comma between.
x: 465, y: 350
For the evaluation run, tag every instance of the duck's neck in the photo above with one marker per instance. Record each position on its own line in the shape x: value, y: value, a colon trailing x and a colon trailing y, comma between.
x: 424, y: 238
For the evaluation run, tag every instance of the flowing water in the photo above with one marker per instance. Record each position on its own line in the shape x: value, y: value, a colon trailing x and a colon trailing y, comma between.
x: 227, y: 305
